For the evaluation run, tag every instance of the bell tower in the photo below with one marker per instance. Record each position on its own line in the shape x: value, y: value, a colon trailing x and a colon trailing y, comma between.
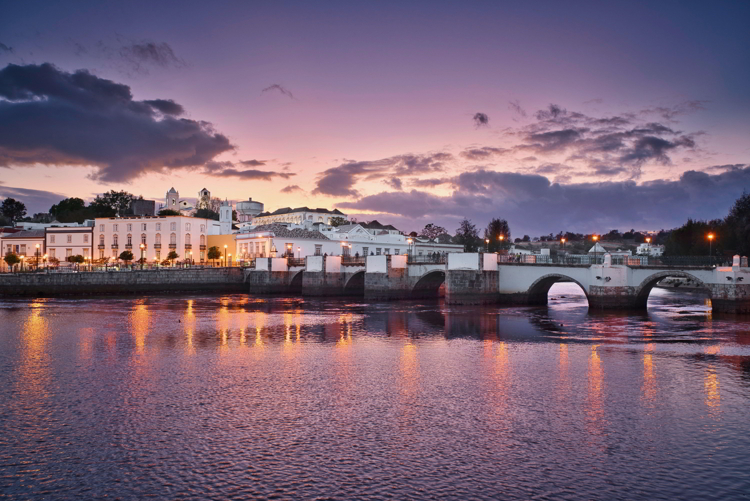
x: 225, y: 218
x: 173, y: 200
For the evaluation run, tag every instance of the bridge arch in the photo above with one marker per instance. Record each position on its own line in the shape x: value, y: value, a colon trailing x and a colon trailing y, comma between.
x: 643, y: 290
x: 295, y: 284
x: 355, y: 285
x: 537, y: 292
x: 428, y: 285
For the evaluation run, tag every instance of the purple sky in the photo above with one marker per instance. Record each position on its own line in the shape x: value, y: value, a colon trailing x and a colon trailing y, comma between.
x: 582, y: 117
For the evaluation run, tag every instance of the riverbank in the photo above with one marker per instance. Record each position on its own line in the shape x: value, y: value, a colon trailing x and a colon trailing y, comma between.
x: 122, y: 282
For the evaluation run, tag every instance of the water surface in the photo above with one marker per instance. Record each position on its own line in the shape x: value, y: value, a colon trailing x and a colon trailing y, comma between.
x: 235, y: 397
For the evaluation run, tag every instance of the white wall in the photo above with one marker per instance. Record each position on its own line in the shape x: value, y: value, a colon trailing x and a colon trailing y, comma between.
x: 61, y: 242
x: 376, y: 264
x: 463, y: 261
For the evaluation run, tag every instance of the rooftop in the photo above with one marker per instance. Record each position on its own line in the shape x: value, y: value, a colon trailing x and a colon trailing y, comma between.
x: 289, y: 210
x: 25, y: 234
x: 282, y: 231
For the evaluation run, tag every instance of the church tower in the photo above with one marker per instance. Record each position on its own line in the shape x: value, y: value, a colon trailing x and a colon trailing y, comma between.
x: 225, y: 218
x: 204, y: 199
x: 173, y: 200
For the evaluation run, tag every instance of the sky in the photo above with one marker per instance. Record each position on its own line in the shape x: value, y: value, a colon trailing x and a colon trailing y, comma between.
x: 557, y: 116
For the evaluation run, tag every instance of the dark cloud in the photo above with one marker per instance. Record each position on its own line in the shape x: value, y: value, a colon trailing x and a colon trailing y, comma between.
x: 229, y: 169
x: 669, y: 113
x: 5, y: 48
x: 35, y: 200
x: 534, y: 205
x: 553, y: 141
x: 395, y: 183
x: 654, y: 148
x: 140, y: 55
x: 479, y: 154
x: 291, y: 189
x: 166, y: 106
x: 253, y: 163
x: 339, y: 181
x: 278, y: 88
x: 552, y: 169
x: 552, y: 112
x: 428, y: 183
x: 515, y: 106
x: 606, y: 170
x: 53, y: 117
x: 481, y: 120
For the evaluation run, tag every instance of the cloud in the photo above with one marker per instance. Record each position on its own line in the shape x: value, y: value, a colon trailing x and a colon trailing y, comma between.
x: 254, y: 163
x: 228, y: 169
x: 552, y: 112
x: 339, y: 181
x: 50, y: 116
x: 35, y: 200
x: 291, y: 188
x: 5, y: 48
x: 671, y: 112
x: 278, y: 88
x: 481, y: 120
x: 534, y: 205
x: 483, y: 153
x: 395, y: 183
x: 140, y: 55
x: 428, y: 183
x: 515, y: 106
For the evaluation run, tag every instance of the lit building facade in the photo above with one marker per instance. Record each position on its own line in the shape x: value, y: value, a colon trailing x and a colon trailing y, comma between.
x: 300, y: 215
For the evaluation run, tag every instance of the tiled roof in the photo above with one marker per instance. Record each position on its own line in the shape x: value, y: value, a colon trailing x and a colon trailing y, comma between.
x: 289, y: 210
x: 282, y: 231
x: 375, y: 225
x: 26, y: 234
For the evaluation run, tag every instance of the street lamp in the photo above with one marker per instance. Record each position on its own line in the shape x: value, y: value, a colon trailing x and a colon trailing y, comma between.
x: 230, y: 257
x: 225, y: 254
x: 37, y: 256
x: 190, y: 253
x: 299, y: 252
x: 409, y: 241
x: 710, y: 242
x: 562, y: 240
x: 595, y: 238
x: 45, y: 261
x: 486, y: 244
x: 142, y: 247
x: 22, y: 258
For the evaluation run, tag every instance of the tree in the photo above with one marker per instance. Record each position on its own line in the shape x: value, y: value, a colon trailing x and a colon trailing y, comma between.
x: 112, y: 202
x: 214, y: 253
x: 172, y: 256
x: 737, y: 225
x: 11, y: 259
x: 214, y: 205
x: 338, y: 221
x: 207, y: 214
x: 169, y: 212
x: 74, y: 210
x: 432, y: 231
x: 12, y: 209
x: 690, y: 239
x: 496, y: 229
x: 126, y: 256
x: 467, y: 235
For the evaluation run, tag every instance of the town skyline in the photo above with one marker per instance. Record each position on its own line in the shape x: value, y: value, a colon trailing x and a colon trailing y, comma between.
x: 535, y: 122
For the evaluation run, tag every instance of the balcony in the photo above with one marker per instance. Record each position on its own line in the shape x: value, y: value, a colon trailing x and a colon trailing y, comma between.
x: 188, y: 246
x: 203, y: 247
x: 157, y: 246
x: 115, y: 246
x: 172, y: 246
x: 101, y: 246
x: 128, y: 246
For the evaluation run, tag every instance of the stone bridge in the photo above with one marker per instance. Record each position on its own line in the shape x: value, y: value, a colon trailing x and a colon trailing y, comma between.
x: 471, y: 278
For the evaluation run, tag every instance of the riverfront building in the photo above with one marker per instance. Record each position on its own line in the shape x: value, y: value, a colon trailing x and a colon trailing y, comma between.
x: 300, y: 215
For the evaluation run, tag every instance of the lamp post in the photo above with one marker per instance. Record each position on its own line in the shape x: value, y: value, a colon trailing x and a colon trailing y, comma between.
x: 230, y: 257
x: 408, y: 250
x: 486, y: 244
x: 45, y: 261
x: 37, y: 257
x: 225, y: 254
x: 710, y: 245
x: 299, y: 252
x: 343, y: 246
x: 595, y: 238
x: 190, y: 259
x: 141, y: 260
x: 22, y: 258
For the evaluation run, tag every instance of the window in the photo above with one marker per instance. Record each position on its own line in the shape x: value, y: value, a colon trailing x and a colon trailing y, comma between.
x: 172, y: 226
x: 143, y: 238
x: 397, y: 252
x: 203, y: 239
x: 130, y: 227
x: 101, y: 239
x: 158, y: 255
x: 187, y: 238
x: 85, y: 239
x: 114, y: 240
x: 173, y: 239
x: 377, y: 251
x: 318, y: 249
x: 51, y: 253
x: 101, y: 254
x: 158, y: 226
x: 173, y: 201
x: 52, y: 239
x: 365, y: 251
x: 387, y: 250
x: 130, y: 239
x: 158, y: 238
x: 85, y: 252
x: 23, y: 249
x: 289, y: 248
x: 203, y: 257
x: 68, y: 253
x: 114, y: 227
x: 143, y: 226
x: 101, y: 228
x: 70, y: 239
x: 114, y: 253
x: 203, y: 228
x: 187, y: 226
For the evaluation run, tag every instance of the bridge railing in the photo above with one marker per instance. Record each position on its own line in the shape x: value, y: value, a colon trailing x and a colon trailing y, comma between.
x: 427, y: 259
x: 546, y: 259
x: 296, y: 261
x: 585, y: 260
x: 353, y: 260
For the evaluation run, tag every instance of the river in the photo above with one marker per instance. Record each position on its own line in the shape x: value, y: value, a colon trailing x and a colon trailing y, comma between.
x: 239, y: 397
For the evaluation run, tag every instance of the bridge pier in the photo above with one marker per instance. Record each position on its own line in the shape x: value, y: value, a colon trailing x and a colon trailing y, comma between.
x: 386, y: 278
x: 271, y: 276
x: 472, y: 279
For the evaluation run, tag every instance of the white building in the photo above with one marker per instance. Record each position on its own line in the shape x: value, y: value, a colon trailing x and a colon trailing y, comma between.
x: 61, y: 243
x: 278, y: 240
x: 300, y: 215
x: 22, y: 243
x: 368, y: 239
x: 159, y: 235
x: 646, y: 249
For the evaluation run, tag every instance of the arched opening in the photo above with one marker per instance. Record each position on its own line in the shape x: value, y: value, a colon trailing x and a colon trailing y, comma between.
x: 538, y: 293
x: 296, y: 283
x: 355, y: 286
x: 429, y: 285
x: 644, y: 289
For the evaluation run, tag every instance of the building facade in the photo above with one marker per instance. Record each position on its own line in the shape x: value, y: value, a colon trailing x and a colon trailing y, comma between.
x: 300, y: 215
x: 61, y: 243
x: 158, y: 234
